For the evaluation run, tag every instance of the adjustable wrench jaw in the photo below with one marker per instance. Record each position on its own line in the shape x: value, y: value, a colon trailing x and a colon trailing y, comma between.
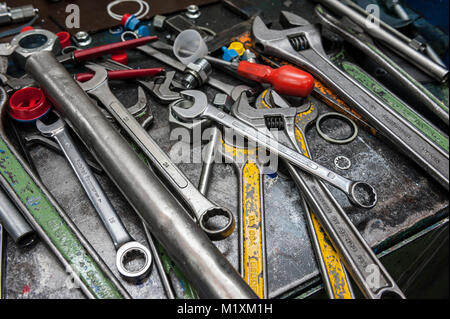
x: 289, y: 43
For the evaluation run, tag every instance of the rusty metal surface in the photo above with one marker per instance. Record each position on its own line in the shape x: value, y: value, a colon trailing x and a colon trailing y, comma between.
x: 408, y: 199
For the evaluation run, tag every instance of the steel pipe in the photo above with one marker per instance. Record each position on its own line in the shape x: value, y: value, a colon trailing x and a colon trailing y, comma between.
x: 201, y: 262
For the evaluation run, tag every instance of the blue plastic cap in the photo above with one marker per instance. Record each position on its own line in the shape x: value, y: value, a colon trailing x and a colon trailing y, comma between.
x: 229, y: 54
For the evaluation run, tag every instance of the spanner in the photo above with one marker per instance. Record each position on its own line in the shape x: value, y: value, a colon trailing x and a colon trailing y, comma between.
x: 127, y: 248
x: 202, y: 208
x: 335, y: 278
x: 356, y: 254
x: 252, y: 238
x: 359, y: 193
x: 302, y: 46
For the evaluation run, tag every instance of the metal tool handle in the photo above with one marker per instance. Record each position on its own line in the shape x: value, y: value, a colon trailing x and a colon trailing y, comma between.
x: 405, y: 135
x: 359, y: 193
x: 202, y: 208
x: 101, y: 203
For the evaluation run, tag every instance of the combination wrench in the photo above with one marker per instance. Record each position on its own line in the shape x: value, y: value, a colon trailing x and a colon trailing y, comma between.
x: 302, y: 46
x: 354, y: 251
x: 285, y: 118
x: 359, y: 193
x: 126, y: 247
x: 202, y: 208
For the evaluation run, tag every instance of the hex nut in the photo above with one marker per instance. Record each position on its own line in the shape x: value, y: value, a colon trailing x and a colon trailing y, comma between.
x: 34, y: 41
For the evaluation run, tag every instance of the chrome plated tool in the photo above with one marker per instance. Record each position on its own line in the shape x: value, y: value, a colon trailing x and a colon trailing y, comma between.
x: 302, y: 46
x: 359, y: 193
x: 199, y: 205
x: 127, y: 248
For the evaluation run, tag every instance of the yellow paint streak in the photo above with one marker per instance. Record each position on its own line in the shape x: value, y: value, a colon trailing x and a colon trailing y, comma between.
x: 335, y: 269
x: 251, y: 222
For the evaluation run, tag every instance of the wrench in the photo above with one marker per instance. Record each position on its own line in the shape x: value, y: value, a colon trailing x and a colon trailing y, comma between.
x: 359, y: 193
x: 357, y: 255
x: 127, y: 248
x: 335, y: 278
x: 2, y: 261
x: 302, y: 46
x: 252, y: 238
x: 202, y: 208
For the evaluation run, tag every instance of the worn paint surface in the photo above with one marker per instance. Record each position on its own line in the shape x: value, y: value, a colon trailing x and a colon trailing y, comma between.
x: 251, y: 217
x: 252, y: 227
x: 48, y: 218
x: 396, y: 104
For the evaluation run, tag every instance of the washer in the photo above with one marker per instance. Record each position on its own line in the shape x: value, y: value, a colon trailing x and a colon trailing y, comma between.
x: 342, y: 162
x: 339, y: 116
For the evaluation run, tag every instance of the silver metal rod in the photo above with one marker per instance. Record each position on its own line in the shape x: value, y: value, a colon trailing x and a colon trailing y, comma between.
x: 15, y: 225
x: 421, y: 61
x: 201, y: 262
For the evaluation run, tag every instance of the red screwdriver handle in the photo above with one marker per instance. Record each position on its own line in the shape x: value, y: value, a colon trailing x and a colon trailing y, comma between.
x: 286, y: 80
x: 121, y: 74
x: 92, y: 53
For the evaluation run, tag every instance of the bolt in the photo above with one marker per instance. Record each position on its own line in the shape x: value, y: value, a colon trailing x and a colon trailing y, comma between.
x: 83, y: 38
x: 193, y: 11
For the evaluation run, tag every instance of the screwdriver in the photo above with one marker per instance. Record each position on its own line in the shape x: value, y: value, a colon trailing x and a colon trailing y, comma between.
x: 286, y: 80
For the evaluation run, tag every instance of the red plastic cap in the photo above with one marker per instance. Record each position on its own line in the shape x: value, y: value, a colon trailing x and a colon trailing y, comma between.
x: 27, y: 28
x: 64, y: 39
x: 125, y: 17
x: 121, y: 57
x: 28, y: 104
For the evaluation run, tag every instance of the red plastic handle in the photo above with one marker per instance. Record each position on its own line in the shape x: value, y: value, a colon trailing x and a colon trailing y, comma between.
x: 92, y: 53
x: 286, y: 80
x: 121, y: 74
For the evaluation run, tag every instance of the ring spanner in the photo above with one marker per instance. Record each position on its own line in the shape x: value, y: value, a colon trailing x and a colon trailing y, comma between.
x: 125, y: 245
x: 359, y: 193
x: 202, y: 208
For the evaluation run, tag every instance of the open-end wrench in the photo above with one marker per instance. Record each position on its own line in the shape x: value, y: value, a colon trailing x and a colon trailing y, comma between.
x: 302, y: 46
x: 127, y: 248
x: 252, y: 238
x: 359, y: 193
x: 201, y: 207
x: 335, y: 279
x: 231, y: 90
x: 355, y: 253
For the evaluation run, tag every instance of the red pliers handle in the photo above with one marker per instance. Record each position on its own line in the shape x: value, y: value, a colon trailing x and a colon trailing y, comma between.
x: 93, y: 53
x: 121, y: 74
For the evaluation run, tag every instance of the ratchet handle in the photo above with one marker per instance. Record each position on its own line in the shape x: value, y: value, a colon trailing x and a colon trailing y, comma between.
x: 286, y: 80
x: 93, y: 53
x: 121, y: 74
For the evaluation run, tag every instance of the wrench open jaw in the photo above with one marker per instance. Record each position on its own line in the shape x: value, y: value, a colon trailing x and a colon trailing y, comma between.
x: 302, y: 46
x: 359, y: 193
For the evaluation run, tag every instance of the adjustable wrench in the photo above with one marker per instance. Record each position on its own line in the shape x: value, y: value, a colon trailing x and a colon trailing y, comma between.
x: 302, y: 46
x: 359, y: 193
x: 125, y: 245
x: 356, y: 254
x: 202, y: 208
x: 335, y: 278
